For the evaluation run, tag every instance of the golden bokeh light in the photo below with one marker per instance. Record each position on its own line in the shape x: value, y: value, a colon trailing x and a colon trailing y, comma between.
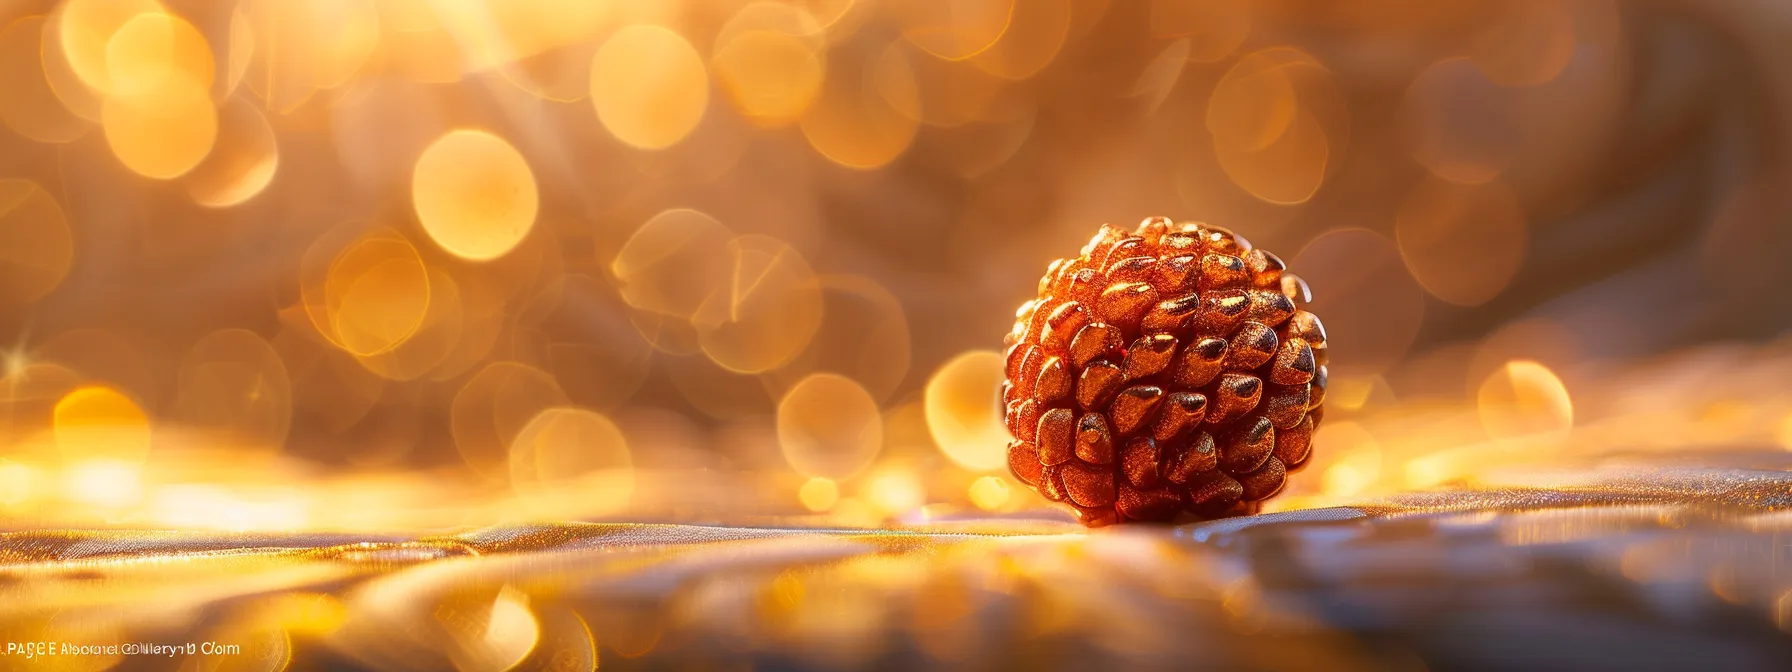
x: 867, y: 114
x: 100, y: 423
x: 894, y: 491
x: 36, y: 244
x: 474, y: 194
x: 1352, y: 462
x: 18, y: 483
x: 437, y: 337
x: 649, y: 86
x: 242, y: 162
x: 962, y: 403
x: 1462, y: 243
x: 493, y: 407
x: 232, y: 381
x: 989, y: 493
x: 85, y: 29
x: 864, y: 335
x: 302, y: 47
x: 1036, y: 33
x: 153, y: 48
x: 768, y: 311
x: 375, y: 295
x: 1524, y: 402
x: 770, y: 59
x: 30, y: 106
x: 104, y: 482
x: 829, y: 426
x: 79, y: 98
x: 573, y: 456
x: 674, y: 263
x: 818, y: 494
x: 1276, y: 118
x: 1459, y: 124
x: 163, y: 131
x: 1214, y: 28
x: 954, y: 29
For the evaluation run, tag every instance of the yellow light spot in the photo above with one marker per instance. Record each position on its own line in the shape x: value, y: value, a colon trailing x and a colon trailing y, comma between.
x: 770, y: 310
x: 492, y: 408
x: 818, y: 494
x: 153, y: 48
x: 18, y: 482
x: 104, y: 483
x: 511, y: 632
x: 893, y: 491
x: 989, y: 492
x: 1462, y: 243
x: 376, y: 294
x: 474, y: 194
x: 1525, y: 401
x: 36, y: 246
x: 162, y: 132
x: 770, y: 60
x: 577, y: 457
x: 674, y: 263
x: 829, y: 426
x: 232, y: 381
x: 30, y: 106
x: 866, y: 115
x: 301, y: 47
x: 437, y: 337
x: 962, y: 404
x: 954, y: 29
x: 1274, y: 117
x: 1215, y: 28
x: 648, y: 86
x: 242, y: 162
x: 1357, y: 464
x: 94, y: 422
x: 85, y: 29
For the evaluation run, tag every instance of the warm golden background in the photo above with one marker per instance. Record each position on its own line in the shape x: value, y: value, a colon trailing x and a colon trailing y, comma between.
x: 394, y: 264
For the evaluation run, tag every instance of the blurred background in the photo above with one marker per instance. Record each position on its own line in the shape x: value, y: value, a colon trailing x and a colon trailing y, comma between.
x: 392, y: 264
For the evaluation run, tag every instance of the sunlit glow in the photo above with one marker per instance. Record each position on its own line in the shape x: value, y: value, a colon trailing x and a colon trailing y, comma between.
x: 104, y: 483
x: 828, y: 425
x: 100, y: 423
x: 894, y: 491
x: 989, y: 493
x: 649, y: 86
x: 18, y: 482
x: 1525, y: 401
x: 474, y: 194
x: 818, y: 494
x: 963, y: 414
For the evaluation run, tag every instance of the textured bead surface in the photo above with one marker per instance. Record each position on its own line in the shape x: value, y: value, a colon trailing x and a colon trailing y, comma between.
x: 1166, y: 372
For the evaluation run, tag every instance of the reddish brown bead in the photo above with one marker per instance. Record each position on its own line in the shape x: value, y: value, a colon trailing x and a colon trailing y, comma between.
x: 1089, y: 484
x: 1056, y: 435
x: 1094, y: 441
x: 1265, y: 482
x: 1095, y: 341
x: 1098, y: 384
x: 1134, y: 406
x: 1148, y: 355
x: 1023, y: 462
x: 1166, y: 371
x: 1139, y: 460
